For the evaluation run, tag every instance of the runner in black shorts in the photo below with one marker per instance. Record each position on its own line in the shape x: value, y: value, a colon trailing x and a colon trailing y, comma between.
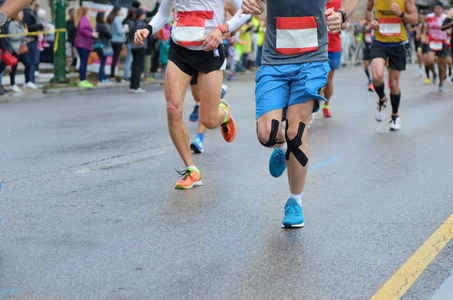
x: 195, y: 46
x: 367, y: 39
x: 389, y: 42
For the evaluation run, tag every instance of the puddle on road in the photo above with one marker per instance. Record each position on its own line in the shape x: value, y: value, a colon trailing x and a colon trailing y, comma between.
x: 445, y: 291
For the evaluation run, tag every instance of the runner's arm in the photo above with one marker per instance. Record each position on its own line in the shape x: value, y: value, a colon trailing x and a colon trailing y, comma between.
x: 11, y: 8
x: 410, y: 16
x: 369, y: 16
x: 448, y: 21
x: 161, y: 18
x: 348, y: 6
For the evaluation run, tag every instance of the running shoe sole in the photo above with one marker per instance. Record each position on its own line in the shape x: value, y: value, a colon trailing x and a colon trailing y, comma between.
x: 288, y: 225
x: 196, y: 183
x: 195, y: 149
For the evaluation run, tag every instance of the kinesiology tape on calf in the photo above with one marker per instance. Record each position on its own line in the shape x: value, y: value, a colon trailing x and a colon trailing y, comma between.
x: 273, y: 135
x: 294, y: 144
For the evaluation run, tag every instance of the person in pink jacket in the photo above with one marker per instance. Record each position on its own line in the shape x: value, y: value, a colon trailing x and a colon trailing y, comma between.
x: 83, y: 41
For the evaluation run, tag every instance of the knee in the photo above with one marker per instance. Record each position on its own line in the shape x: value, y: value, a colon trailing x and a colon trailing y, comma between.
x: 292, y: 132
x: 210, y: 123
x: 267, y: 135
x: 263, y: 136
x: 394, y: 85
x: 174, y: 112
x: 377, y: 77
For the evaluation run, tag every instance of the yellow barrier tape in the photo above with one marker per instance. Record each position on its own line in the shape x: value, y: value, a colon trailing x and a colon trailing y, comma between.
x: 34, y: 33
x: 57, y: 35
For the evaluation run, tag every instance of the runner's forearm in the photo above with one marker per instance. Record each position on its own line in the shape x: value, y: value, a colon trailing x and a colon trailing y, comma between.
x: 11, y: 8
x: 161, y: 18
x: 348, y: 6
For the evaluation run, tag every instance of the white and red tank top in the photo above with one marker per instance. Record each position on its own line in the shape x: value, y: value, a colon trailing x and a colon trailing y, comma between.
x: 435, y: 34
x: 195, y: 20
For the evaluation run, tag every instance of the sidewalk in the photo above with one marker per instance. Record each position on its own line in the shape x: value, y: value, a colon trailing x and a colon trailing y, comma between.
x: 44, y: 78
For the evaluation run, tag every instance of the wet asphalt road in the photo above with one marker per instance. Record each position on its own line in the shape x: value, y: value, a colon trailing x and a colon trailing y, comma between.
x: 89, y: 211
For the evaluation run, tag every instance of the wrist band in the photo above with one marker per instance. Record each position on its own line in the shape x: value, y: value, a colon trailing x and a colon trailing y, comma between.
x: 150, y: 29
x: 222, y: 29
x: 402, y: 15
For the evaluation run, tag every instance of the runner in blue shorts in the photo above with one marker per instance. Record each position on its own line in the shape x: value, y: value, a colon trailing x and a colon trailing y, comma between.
x: 294, y: 68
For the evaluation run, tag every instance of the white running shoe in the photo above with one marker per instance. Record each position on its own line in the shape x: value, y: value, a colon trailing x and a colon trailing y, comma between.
x: 380, y: 110
x: 16, y: 89
x: 395, y: 124
x: 224, y: 91
x: 31, y: 85
x: 137, y: 91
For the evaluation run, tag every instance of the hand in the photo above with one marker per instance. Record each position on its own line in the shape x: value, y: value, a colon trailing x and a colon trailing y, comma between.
x: 140, y: 35
x: 374, y: 25
x: 396, y: 9
x: 251, y: 7
x: 95, y: 35
x: 334, y: 20
x: 213, y: 40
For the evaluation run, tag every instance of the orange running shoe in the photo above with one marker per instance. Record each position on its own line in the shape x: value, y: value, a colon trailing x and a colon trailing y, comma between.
x: 371, y: 88
x: 228, y: 127
x: 191, y: 178
x: 326, y: 112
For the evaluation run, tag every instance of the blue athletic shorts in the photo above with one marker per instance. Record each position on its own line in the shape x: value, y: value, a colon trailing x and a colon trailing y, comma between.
x: 334, y: 59
x: 281, y: 86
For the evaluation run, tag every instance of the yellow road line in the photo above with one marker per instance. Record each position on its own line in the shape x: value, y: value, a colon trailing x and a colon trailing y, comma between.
x: 403, y: 279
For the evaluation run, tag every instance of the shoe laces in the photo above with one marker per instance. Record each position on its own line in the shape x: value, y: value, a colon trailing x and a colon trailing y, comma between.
x: 382, y: 104
x: 291, y: 207
x: 184, y: 173
x: 280, y: 156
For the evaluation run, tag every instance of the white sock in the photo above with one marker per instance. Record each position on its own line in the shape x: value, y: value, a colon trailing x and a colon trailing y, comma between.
x: 283, y: 147
x: 297, y: 197
x: 193, y: 168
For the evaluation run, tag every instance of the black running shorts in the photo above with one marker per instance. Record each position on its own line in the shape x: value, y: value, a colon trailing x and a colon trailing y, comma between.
x: 191, y: 61
x: 396, y: 55
x: 366, y: 51
x: 425, y: 48
x: 441, y: 53
x: 194, y: 80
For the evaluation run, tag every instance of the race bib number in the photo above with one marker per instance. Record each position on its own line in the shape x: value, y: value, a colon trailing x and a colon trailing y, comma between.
x: 436, y: 45
x: 368, y: 38
x: 296, y: 35
x: 190, y: 27
x: 390, y: 26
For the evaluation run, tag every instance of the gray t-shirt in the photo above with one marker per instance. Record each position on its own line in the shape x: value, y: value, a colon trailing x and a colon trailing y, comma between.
x: 294, y: 8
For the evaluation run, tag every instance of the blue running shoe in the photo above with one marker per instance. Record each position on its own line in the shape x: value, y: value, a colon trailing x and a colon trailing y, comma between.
x: 197, y: 146
x: 224, y: 91
x: 277, y: 163
x: 194, y: 115
x: 293, y: 215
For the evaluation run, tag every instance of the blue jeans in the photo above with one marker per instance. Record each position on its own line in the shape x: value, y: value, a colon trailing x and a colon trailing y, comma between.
x: 241, y: 62
x: 83, y: 54
x: 103, y: 60
x: 25, y: 60
x: 259, y: 55
x: 33, y: 54
x: 128, y: 62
